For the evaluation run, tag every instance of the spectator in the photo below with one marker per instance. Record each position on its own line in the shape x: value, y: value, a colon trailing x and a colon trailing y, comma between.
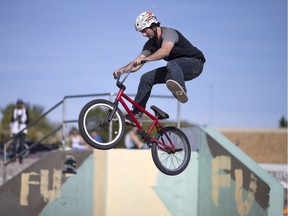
x: 96, y: 136
x: 132, y: 140
x: 76, y: 141
x: 18, y: 123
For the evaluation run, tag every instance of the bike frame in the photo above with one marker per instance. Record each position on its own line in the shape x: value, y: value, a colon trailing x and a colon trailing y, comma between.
x: 155, y: 121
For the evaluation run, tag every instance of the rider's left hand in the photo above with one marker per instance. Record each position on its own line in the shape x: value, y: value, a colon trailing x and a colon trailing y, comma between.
x: 116, y: 73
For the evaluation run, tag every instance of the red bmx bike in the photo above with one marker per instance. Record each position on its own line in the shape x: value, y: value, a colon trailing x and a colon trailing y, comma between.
x: 169, y: 145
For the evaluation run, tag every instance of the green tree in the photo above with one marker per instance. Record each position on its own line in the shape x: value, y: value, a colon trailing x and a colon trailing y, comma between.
x: 283, y: 122
x: 35, y: 132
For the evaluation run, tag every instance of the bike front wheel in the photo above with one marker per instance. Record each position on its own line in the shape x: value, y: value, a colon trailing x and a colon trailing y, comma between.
x: 101, y: 124
x: 167, y: 161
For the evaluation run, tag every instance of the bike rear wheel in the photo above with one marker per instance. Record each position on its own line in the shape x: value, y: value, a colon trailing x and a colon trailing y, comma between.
x: 171, y: 163
x: 94, y: 118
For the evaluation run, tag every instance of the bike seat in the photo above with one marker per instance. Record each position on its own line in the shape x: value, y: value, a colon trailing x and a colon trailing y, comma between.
x: 159, y: 113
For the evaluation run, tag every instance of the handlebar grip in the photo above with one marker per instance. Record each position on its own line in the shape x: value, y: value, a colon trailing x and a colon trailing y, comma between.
x: 144, y: 61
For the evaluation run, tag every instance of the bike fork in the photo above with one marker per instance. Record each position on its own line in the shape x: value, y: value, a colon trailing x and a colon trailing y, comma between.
x: 110, y: 114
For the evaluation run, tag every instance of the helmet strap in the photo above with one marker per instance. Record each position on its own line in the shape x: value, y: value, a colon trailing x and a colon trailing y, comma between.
x: 154, y: 29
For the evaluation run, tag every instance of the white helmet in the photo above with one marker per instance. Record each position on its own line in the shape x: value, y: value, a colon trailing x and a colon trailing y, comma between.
x: 144, y: 20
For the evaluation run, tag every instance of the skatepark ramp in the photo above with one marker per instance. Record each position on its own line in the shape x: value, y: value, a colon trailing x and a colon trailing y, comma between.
x: 220, y: 180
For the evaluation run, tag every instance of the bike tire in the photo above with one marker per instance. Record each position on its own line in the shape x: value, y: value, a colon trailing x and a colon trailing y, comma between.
x: 171, y: 163
x: 26, y: 147
x: 91, y: 117
x: 24, y: 151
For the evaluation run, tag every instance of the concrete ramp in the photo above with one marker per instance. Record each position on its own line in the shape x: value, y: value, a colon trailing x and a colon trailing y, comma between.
x: 231, y: 183
x: 220, y: 180
x: 30, y: 191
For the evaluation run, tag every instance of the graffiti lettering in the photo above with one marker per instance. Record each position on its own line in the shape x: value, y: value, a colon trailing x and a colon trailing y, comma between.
x: 244, y: 207
x: 47, y: 194
x: 221, y: 178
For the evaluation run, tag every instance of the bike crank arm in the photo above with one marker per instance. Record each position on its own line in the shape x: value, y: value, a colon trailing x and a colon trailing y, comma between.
x: 178, y: 150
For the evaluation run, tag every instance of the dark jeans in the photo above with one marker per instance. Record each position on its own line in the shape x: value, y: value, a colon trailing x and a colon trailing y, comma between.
x: 180, y: 70
x: 18, y: 138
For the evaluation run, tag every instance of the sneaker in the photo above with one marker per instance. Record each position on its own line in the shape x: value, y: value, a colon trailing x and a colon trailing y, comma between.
x: 177, y: 90
x: 20, y: 160
x: 130, y: 122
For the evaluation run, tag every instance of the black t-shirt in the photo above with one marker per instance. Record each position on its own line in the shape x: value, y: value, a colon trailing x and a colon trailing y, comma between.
x: 182, y: 47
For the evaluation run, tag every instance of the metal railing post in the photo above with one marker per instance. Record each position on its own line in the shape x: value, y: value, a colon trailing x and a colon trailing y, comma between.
x: 63, y: 123
x: 110, y: 127
x: 178, y: 114
x: 4, y: 162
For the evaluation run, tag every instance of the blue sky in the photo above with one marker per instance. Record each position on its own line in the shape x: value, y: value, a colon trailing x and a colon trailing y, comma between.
x: 50, y: 49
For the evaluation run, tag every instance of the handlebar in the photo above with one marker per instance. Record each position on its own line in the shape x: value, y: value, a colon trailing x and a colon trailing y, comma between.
x: 127, y: 73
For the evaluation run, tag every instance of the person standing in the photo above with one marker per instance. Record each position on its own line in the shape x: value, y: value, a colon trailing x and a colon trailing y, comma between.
x: 18, y: 124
